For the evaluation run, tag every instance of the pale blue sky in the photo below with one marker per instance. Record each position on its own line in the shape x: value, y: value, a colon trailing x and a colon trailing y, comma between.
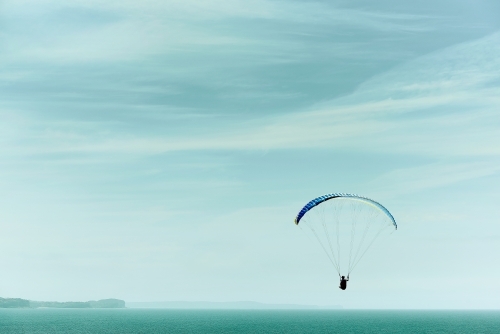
x: 160, y: 150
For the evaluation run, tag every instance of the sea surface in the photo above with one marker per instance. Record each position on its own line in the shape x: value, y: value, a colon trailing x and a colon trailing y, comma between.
x: 245, y: 321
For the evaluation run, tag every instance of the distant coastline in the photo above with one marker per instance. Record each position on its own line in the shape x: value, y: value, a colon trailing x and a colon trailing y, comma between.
x: 118, y: 303
x: 25, y: 303
x: 240, y: 305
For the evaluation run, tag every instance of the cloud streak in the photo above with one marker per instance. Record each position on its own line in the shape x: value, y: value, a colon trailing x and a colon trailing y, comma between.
x: 445, y: 90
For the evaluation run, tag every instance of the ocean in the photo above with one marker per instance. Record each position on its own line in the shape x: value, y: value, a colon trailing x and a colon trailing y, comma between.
x: 245, y: 321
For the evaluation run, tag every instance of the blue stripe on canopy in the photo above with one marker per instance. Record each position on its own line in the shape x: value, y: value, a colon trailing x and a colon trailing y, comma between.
x: 327, y: 197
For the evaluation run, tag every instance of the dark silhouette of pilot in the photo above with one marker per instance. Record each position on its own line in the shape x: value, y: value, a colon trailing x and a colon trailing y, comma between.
x: 343, y: 282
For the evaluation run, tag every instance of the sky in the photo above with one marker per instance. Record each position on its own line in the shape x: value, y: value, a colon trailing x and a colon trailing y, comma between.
x: 160, y: 150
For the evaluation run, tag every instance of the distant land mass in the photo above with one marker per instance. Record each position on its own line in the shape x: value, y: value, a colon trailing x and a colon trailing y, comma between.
x: 118, y: 303
x: 243, y: 305
x: 24, y: 303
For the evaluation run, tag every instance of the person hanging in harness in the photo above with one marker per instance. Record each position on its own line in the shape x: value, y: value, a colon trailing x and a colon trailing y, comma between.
x: 343, y: 282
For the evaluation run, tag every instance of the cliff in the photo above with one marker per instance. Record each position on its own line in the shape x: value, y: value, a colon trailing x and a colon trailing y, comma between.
x: 24, y: 303
x: 14, y: 303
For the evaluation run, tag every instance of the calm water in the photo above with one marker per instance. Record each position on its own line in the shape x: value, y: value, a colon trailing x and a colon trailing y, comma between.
x: 246, y: 321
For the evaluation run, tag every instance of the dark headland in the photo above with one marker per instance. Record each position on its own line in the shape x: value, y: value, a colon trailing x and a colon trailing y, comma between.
x: 24, y: 303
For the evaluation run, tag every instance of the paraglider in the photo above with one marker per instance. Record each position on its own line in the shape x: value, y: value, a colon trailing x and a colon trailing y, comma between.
x: 346, y: 226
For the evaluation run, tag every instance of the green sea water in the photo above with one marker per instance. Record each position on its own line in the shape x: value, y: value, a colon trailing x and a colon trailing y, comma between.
x: 245, y: 321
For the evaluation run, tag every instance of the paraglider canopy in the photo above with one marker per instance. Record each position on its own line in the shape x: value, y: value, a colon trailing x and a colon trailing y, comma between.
x: 346, y: 226
x: 327, y: 197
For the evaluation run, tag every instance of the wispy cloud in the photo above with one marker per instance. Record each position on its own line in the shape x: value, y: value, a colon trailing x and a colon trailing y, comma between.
x: 435, y: 175
x: 449, y: 110
x: 91, y: 31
